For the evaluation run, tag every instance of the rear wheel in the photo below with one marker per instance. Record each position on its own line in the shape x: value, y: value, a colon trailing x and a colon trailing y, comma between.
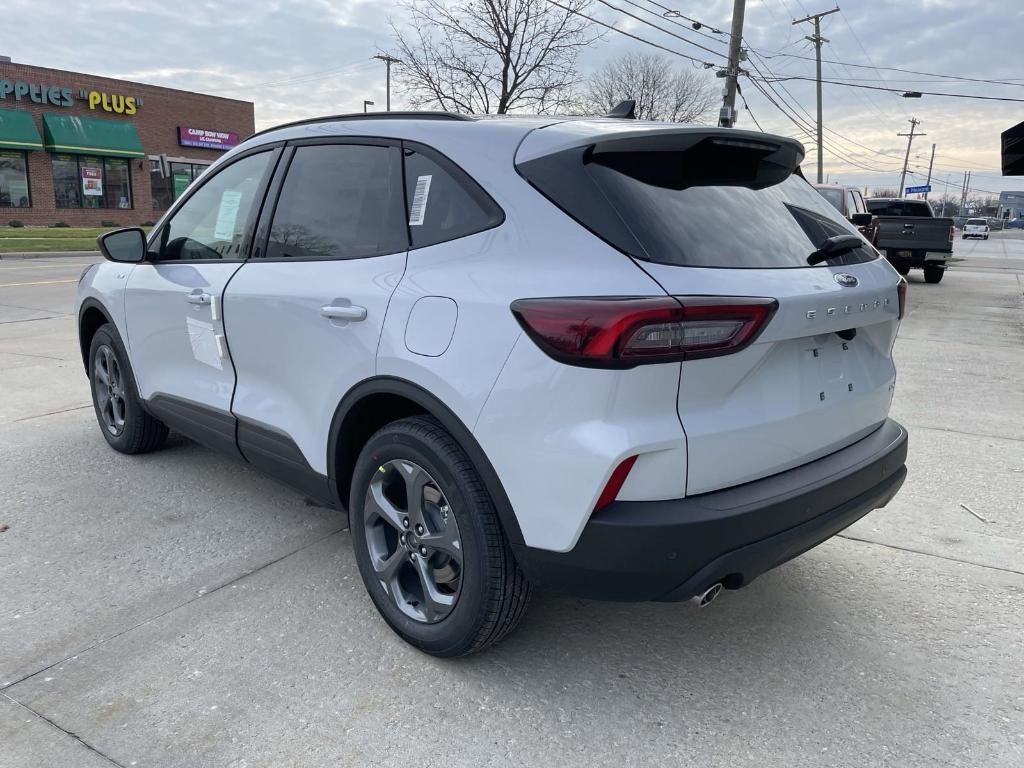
x: 903, y: 270
x: 123, y: 422
x: 428, y: 542
x: 933, y: 274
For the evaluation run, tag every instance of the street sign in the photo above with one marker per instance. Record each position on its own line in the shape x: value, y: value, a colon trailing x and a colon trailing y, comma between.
x: 922, y: 188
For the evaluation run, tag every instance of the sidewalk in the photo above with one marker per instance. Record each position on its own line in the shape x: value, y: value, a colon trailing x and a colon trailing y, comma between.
x: 45, y: 254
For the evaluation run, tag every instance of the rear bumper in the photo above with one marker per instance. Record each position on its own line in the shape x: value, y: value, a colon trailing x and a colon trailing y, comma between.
x: 672, y: 550
x: 917, y: 257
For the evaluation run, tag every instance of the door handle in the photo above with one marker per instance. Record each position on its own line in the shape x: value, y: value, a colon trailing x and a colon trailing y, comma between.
x: 198, y: 298
x: 349, y: 312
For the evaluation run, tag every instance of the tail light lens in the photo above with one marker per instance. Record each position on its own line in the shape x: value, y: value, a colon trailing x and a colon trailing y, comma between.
x: 901, y: 289
x: 622, y: 332
x: 952, y: 234
x: 614, y: 484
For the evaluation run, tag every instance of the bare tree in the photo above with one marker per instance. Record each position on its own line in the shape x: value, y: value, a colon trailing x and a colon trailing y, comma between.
x: 660, y: 90
x: 489, y: 56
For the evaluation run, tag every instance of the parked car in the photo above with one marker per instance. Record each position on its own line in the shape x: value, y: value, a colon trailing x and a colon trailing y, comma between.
x: 976, y: 228
x: 850, y: 203
x: 1015, y: 224
x: 912, y: 237
x: 631, y: 361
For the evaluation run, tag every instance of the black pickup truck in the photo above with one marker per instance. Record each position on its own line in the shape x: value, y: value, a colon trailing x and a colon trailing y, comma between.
x: 911, y: 236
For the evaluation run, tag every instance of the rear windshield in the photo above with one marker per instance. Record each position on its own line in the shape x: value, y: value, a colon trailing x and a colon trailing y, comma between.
x: 674, y: 208
x: 899, y: 208
x: 977, y: 222
x: 834, y: 197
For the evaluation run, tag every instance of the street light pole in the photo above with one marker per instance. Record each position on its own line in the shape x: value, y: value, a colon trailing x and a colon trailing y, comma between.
x: 727, y: 115
x: 366, y: 103
x: 817, y: 39
x: 388, y: 61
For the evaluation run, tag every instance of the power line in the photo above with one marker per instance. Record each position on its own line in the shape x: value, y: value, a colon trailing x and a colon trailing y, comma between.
x: 660, y: 29
x: 1008, y: 81
x: 900, y: 90
x: 613, y: 28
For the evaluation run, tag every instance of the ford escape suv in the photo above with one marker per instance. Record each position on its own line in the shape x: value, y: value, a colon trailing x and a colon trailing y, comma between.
x: 624, y: 360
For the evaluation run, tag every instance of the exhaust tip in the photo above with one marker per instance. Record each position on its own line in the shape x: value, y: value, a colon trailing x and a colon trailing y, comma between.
x: 704, y: 598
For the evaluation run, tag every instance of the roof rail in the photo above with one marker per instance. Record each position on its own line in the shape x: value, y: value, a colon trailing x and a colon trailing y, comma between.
x: 406, y: 115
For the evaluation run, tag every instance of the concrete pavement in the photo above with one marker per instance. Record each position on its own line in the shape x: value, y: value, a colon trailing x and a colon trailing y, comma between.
x: 180, y: 609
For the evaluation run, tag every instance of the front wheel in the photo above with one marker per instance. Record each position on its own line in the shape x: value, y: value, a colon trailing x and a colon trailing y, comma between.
x: 123, y: 422
x: 428, y: 542
x: 933, y: 274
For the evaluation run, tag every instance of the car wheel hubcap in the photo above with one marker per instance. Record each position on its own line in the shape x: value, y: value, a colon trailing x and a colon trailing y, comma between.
x: 108, y: 385
x: 413, y: 541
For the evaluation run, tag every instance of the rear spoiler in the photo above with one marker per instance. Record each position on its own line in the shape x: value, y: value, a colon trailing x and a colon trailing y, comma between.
x: 702, y: 156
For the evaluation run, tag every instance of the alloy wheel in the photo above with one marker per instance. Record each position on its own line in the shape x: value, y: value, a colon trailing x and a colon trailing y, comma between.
x: 108, y: 384
x: 413, y: 541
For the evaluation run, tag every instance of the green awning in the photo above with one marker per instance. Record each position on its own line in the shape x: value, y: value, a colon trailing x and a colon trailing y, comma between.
x: 18, y: 130
x: 90, y: 136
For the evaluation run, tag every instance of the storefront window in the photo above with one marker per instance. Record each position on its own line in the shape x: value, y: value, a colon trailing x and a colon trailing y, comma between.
x: 91, y: 182
x: 14, y: 180
x: 66, y: 182
x: 167, y: 189
x: 118, y: 188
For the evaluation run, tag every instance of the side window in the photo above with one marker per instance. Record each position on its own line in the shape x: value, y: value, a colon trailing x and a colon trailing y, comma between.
x: 214, y: 222
x: 443, y: 202
x: 339, y: 201
x: 858, y: 201
x: 851, y: 203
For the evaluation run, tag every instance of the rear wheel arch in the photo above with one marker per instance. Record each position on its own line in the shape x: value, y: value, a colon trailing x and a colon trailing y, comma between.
x: 91, y: 316
x: 372, y: 404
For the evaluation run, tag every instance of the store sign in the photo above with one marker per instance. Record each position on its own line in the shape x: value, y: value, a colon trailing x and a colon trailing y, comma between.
x: 59, y: 96
x: 92, y: 181
x: 200, y: 137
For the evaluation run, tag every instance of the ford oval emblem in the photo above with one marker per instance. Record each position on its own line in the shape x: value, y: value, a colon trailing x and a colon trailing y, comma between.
x: 845, y: 280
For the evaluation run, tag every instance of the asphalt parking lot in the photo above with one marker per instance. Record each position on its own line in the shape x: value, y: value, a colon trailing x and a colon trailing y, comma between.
x: 180, y: 609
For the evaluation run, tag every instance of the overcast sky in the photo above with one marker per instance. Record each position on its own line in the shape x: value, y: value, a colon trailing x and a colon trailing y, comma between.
x: 300, y: 58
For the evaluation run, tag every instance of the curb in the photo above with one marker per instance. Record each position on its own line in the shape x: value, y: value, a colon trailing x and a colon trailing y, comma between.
x: 45, y: 255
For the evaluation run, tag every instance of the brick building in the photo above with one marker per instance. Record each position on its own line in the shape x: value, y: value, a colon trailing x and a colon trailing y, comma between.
x: 87, y: 150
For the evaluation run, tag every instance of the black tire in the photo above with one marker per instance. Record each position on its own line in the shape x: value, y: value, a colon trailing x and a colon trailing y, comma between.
x: 933, y: 274
x: 494, y: 592
x: 140, y: 432
x: 903, y: 270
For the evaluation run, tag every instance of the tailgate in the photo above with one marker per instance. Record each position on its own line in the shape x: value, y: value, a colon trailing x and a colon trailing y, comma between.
x: 915, y: 233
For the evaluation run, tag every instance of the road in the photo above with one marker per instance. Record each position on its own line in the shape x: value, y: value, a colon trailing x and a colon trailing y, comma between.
x: 179, y: 609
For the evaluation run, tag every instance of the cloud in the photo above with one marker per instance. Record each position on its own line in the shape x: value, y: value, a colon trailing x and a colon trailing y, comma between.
x: 297, y: 59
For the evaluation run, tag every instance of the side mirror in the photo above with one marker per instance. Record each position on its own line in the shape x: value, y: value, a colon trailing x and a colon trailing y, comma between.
x: 861, y: 219
x: 123, y: 245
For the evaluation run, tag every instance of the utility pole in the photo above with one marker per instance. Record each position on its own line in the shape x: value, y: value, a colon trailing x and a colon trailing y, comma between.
x: 727, y: 114
x: 817, y: 39
x: 388, y: 61
x: 930, y: 164
x: 963, y: 195
x: 914, y: 122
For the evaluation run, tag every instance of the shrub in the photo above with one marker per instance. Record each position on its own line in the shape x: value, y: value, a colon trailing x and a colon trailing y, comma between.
x: 148, y: 224
x: 15, y: 223
x: 61, y: 225
x: 109, y: 223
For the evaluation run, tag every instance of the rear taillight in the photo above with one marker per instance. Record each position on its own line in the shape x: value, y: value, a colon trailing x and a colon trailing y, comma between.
x: 901, y: 289
x: 952, y: 234
x: 622, y: 332
x: 614, y: 484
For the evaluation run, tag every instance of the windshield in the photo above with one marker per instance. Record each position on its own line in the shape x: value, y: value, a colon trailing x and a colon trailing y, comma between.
x: 899, y: 208
x: 693, y: 209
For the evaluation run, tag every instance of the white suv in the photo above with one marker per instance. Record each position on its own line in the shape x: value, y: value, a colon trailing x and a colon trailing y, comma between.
x: 976, y: 228
x: 625, y: 360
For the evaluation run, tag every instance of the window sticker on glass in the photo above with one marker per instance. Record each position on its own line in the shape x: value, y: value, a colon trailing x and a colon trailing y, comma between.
x: 227, y: 214
x: 419, y: 201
